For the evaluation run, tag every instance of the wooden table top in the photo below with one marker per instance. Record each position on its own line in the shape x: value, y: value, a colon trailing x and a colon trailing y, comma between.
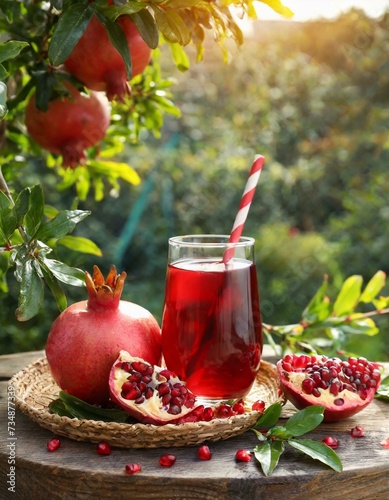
x: 76, y: 471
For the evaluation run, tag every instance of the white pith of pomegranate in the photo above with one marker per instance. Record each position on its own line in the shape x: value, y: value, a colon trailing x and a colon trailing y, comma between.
x: 151, y: 394
x: 344, y: 388
x: 70, y: 125
x: 86, y: 338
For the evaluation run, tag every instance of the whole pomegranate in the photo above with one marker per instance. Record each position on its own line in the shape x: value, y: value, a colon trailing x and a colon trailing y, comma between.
x: 149, y: 393
x: 70, y: 125
x: 344, y: 388
x: 99, y: 66
x: 86, y: 338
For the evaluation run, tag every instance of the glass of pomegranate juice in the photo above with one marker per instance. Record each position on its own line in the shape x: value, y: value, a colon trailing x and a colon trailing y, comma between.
x: 211, y: 325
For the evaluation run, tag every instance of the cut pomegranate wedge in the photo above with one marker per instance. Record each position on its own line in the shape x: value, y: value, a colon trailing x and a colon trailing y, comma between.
x: 344, y: 388
x: 149, y: 393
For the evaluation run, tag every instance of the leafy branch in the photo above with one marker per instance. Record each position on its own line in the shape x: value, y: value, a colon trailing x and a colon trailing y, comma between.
x: 273, y: 441
x: 325, y: 326
x: 26, y: 239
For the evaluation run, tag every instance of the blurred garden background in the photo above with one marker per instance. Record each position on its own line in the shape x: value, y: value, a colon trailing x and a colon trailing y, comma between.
x: 313, y: 98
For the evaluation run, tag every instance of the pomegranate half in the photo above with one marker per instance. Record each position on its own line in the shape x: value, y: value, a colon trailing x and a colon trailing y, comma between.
x: 151, y: 394
x: 86, y: 338
x: 344, y: 388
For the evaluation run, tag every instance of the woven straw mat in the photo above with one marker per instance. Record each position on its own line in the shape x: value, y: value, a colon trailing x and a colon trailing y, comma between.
x: 35, y: 389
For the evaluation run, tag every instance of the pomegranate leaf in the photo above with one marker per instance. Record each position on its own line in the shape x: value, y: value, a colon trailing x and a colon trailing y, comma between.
x: 31, y: 291
x: 147, y: 28
x: 268, y: 454
x: 64, y: 39
x: 80, y: 244
x: 279, y: 7
x: 305, y: 420
x: 62, y: 224
x: 171, y: 25
x: 55, y: 288
x: 117, y: 38
x: 373, y: 288
x: 318, y: 451
x: 318, y: 308
x: 34, y: 214
x: 64, y: 273
x: 82, y: 410
x: 269, y: 417
x: 348, y: 296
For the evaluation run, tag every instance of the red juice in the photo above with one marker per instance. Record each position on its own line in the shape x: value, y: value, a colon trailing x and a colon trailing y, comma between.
x: 211, y: 326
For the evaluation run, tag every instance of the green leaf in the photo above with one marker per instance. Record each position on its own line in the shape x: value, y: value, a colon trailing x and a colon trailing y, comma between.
x: 348, y: 296
x: 11, y: 49
x: 279, y: 432
x: 70, y: 27
x: 63, y: 223
x: 80, y: 244
x: 318, y: 308
x: 64, y: 273
x: 180, y: 57
x: 365, y: 326
x: 171, y: 25
x: 279, y: 7
x: 31, y: 292
x: 373, y: 288
x: 269, y: 417
x: 55, y: 288
x: 79, y: 409
x: 318, y: 451
x: 305, y: 420
x: 147, y: 28
x: 34, y: 215
x: 115, y: 169
x: 117, y: 38
x: 268, y: 454
x: 383, y: 390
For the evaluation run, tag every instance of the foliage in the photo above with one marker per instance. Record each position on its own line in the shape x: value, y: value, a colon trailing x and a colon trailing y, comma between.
x: 272, y: 442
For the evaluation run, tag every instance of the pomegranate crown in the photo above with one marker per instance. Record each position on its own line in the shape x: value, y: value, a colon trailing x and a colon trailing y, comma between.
x: 104, y: 292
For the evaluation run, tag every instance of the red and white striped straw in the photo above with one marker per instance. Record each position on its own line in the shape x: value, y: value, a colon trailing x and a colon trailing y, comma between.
x: 244, y: 207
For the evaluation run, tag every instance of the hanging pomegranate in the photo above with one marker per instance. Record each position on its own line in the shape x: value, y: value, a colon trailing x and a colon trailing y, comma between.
x: 99, y: 66
x: 344, y: 388
x: 151, y: 394
x: 86, y: 338
x: 70, y: 125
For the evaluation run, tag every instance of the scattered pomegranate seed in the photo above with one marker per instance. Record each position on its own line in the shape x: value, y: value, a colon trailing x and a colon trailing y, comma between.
x: 167, y: 460
x: 204, y: 453
x: 133, y: 468
x: 357, y: 431
x: 103, y: 448
x: 224, y: 411
x: 385, y: 443
x: 208, y: 414
x: 259, y: 406
x: 243, y: 456
x: 331, y: 442
x: 53, y: 444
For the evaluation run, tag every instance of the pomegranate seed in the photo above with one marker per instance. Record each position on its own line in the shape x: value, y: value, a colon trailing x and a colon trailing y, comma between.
x: 208, y: 414
x: 243, y: 456
x: 331, y: 442
x: 133, y: 468
x: 287, y: 366
x: 53, y: 444
x: 357, y: 431
x: 164, y: 388
x: 307, y: 385
x: 224, y: 411
x: 258, y: 406
x: 103, y: 448
x: 339, y: 402
x: 238, y: 408
x: 167, y: 460
x: 204, y: 453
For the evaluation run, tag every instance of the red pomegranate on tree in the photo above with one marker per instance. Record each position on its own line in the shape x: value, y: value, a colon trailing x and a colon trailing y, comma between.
x: 70, y: 125
x: 86, y: 338
x: 99, y: 66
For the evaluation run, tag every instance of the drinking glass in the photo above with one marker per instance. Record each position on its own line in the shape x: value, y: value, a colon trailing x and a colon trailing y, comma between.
x: 211, y: 325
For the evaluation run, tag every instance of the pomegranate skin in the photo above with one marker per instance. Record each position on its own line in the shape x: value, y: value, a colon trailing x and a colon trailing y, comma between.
x: 86, y: 338
x: 99, y: 66
x: 291, y: 383
x: 70, y: 125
